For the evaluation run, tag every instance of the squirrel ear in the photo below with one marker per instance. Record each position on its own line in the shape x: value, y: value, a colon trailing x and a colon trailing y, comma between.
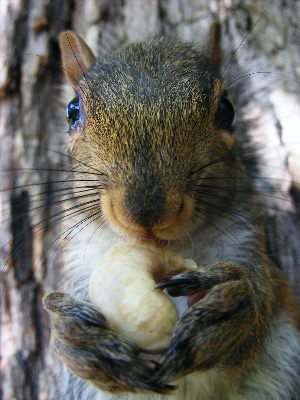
x: 215, y: 52
x: 76, y: 56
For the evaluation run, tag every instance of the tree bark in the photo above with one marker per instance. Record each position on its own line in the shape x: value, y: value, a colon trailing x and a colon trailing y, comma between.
x: 260, y: 36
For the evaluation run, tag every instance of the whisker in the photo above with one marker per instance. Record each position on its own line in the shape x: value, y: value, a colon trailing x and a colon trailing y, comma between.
x: 90, y: 238
x: 63, y: 214
x: 239, y: 190
x: 236, y: 217
x: 63, y: 191
x: 76, y: 58
x: 245, y: 199
x: 48, y: 248
x: 75, y: 171
x: 214, y: 162
x: 245, y: 76
x: 15, y: 218
x: 98, y: 213
x: 47, y: 183
x: 75, y: 210
x: 246, y: 178
x: 216, y: 226
x: 64, y: 235
x: 230, y: 58
x: 57, y: 193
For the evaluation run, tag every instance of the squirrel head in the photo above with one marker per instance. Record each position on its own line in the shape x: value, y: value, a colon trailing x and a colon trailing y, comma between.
x: 153, y: 119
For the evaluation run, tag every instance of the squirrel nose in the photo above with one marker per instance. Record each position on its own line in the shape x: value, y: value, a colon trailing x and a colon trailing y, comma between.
x: 145, y: 207
x: 156, y: 211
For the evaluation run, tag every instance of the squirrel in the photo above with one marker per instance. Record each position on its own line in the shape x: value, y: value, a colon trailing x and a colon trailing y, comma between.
x: 152, y: 132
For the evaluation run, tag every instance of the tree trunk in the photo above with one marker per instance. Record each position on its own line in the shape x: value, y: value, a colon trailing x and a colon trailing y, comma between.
x: 258, y: 35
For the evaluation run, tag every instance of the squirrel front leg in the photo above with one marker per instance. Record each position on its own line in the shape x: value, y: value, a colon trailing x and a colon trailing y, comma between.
x: 85, y: 343
x: 225, y: 328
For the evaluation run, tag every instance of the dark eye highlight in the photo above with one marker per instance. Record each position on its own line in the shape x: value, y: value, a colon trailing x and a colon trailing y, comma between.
x: 73, y: 112
x: 225, y: 115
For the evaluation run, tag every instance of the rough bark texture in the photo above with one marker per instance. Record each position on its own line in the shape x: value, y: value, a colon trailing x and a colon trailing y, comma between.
x: 31, y: 127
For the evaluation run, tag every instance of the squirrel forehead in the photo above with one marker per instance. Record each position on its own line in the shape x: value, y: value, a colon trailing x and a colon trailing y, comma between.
x: 153, y: 74
x: 149, y: 99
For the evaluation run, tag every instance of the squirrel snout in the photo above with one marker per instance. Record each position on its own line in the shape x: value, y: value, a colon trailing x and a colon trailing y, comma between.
x: 156, y: 211
x: 145, y: 208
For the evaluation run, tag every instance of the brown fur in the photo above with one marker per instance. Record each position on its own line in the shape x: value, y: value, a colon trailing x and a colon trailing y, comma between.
x: 149, y: 131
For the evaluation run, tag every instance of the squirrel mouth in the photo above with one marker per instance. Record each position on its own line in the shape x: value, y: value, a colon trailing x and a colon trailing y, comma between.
x: 149, y: 237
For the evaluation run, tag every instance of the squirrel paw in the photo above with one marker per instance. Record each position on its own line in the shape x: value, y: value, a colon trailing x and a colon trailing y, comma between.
x: 220, y: 329
x: 91, y: 350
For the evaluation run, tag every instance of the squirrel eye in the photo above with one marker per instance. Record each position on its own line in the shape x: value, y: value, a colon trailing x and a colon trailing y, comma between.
x: 73, y: 112
x: 225, y: 115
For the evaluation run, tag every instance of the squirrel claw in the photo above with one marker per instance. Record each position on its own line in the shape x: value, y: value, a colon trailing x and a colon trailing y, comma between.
x: 177, y: 286
x: 193, y: 282
x: 186, y: 284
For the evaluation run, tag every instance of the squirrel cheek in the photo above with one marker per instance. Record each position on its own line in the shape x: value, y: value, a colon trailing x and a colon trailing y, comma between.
x: 228, y: 139
x: 73, y: 136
